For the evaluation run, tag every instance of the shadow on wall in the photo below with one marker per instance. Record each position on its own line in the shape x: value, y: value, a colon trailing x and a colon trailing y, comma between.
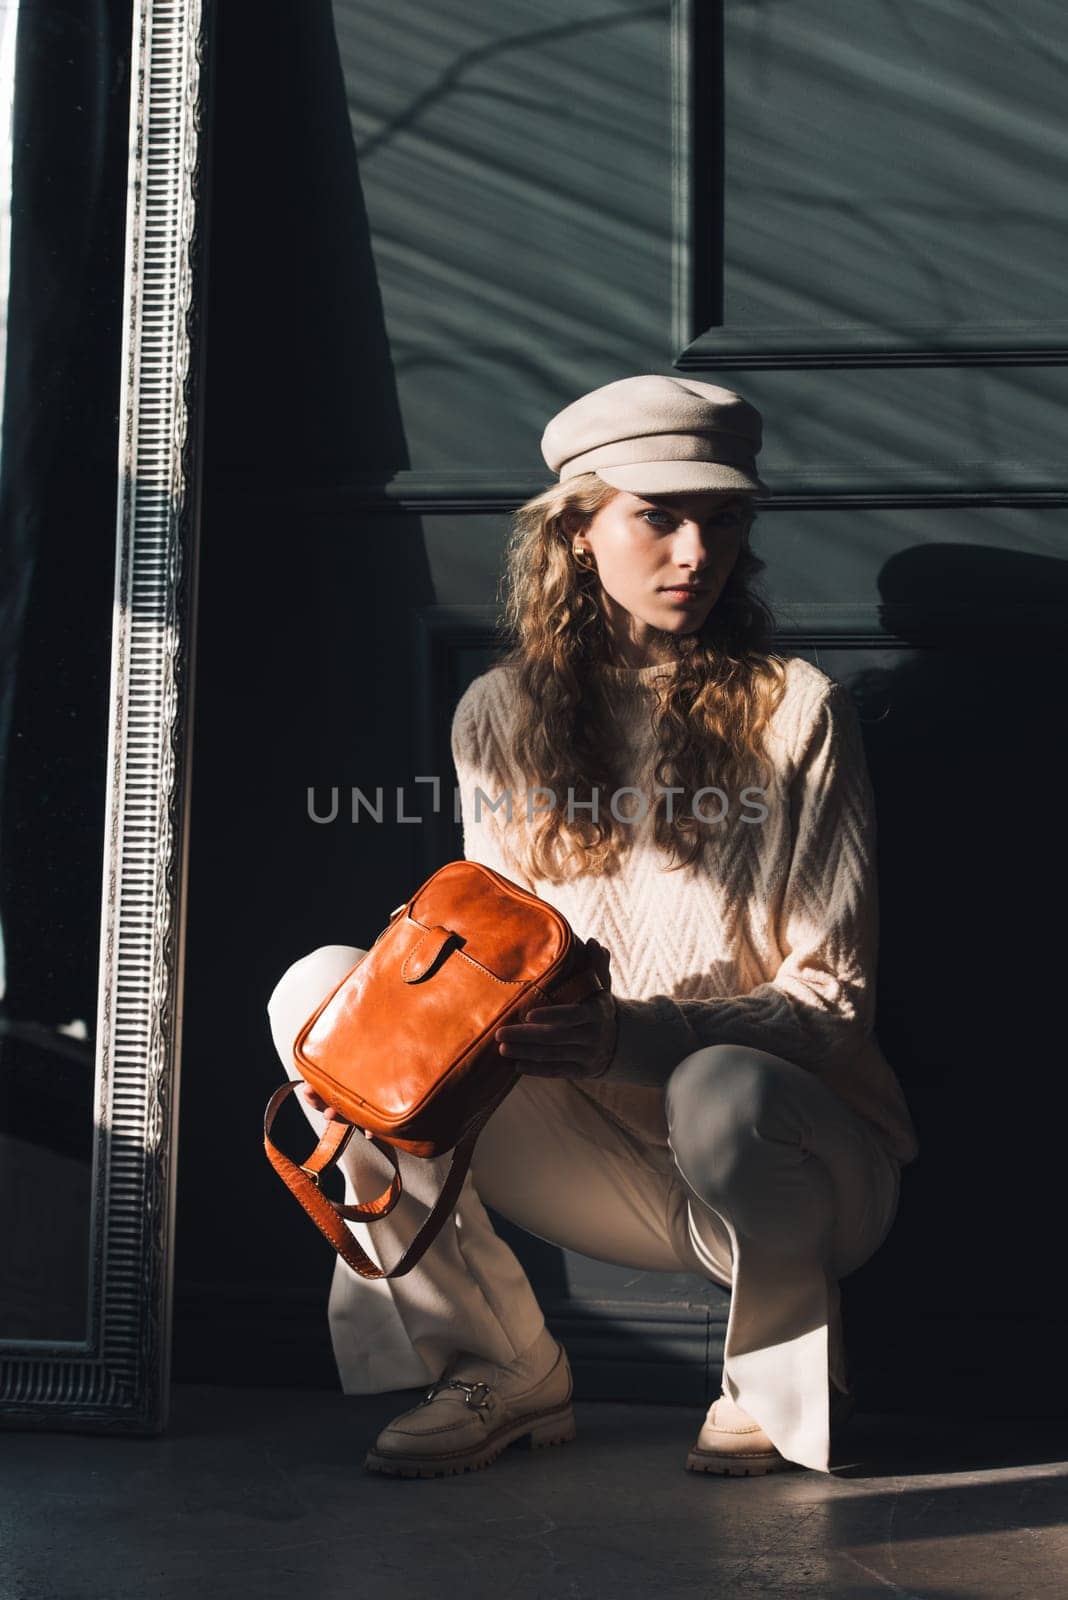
x: 963, y: 1301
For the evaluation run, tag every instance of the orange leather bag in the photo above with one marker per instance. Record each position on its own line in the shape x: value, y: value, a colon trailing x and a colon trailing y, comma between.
x: 404, y: 1045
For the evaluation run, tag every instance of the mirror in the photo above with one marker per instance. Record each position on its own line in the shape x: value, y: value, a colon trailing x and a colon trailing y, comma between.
x: 101, y: 266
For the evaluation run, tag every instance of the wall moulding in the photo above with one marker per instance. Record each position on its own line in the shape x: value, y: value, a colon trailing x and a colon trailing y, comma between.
x: 704, y: 163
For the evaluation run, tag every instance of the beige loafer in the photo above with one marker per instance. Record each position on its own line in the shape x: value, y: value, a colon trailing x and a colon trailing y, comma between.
x: 731, y: 1443
x: 473, y: 1413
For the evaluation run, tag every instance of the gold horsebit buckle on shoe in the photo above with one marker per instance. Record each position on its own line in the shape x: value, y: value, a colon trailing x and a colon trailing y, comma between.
x: 458, y: 1383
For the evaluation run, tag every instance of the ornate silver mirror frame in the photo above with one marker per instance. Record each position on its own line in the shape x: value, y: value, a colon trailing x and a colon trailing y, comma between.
x: 117, y: 1377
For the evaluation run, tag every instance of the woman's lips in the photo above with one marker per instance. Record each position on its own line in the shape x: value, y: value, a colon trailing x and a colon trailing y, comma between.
x: 685, y: 596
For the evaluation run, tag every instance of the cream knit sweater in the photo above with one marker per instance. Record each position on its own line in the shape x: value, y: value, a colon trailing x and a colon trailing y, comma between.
x: 769, y: 940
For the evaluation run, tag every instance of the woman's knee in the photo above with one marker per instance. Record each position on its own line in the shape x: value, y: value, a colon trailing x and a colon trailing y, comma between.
x: 720, y: 1089
x: 725, y: 1110
x: 740, y: 1140
x: 303, y: 985
x: 317, y: 967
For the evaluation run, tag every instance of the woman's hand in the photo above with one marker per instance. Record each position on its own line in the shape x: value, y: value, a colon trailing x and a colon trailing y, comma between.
x: 317, y: 1103
x: 567, y: 1041
x: 331, y: 1113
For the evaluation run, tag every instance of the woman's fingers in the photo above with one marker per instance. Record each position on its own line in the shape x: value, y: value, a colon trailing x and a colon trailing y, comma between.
x: 317, y: 1103
x: 564, y: 1050
x: 556, y: 1018
x: 552, y: 1047
x: 524, y: 1035
x: 331, y: 1113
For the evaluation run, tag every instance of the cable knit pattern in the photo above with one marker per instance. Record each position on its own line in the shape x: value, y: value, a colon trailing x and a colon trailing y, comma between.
x: 769, y: 940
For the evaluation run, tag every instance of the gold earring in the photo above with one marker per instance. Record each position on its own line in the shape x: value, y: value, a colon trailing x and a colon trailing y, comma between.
x: 587, y: 564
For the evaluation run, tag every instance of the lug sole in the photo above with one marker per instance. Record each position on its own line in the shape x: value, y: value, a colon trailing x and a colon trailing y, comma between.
x: 737, y: 1466
x: 541, y: 1430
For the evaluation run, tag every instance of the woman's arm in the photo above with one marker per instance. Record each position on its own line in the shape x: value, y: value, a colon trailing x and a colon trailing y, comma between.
x: 471, y: 736
x: 820, y: 1004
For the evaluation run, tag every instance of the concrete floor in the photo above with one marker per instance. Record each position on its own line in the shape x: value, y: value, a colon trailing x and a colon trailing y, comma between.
x: 261, y: 1493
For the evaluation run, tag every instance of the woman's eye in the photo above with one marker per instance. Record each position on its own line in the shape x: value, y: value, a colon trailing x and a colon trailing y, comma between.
x: 719, y: 519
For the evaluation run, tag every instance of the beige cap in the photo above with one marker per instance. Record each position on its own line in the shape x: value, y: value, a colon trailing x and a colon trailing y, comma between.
x: 655, y: 434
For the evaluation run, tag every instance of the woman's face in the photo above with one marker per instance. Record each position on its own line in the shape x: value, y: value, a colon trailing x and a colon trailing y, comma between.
x: 646, y: 547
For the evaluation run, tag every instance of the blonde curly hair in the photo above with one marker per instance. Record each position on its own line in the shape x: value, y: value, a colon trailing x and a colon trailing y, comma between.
x: 713, y: 709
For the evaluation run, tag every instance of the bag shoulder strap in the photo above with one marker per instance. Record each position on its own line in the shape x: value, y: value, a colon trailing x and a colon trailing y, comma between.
x: 329, y: 1215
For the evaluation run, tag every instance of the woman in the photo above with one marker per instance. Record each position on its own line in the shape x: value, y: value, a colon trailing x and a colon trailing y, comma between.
x: 724, y: 1106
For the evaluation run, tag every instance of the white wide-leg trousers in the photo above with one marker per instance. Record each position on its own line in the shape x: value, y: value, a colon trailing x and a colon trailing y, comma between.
x: 771, y: 1185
